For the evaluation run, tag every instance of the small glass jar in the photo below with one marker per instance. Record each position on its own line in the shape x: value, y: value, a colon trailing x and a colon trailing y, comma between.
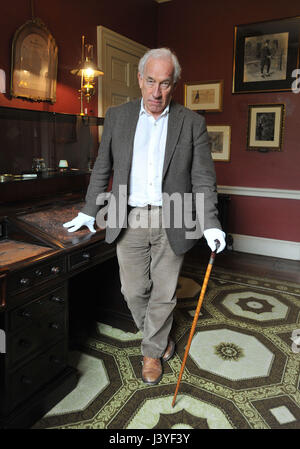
x: 38, y: 164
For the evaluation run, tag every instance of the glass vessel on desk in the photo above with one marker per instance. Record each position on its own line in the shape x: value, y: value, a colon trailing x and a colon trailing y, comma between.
x: 38, y: 165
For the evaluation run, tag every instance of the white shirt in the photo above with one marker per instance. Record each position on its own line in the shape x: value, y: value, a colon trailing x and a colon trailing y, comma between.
x: 148, y: 159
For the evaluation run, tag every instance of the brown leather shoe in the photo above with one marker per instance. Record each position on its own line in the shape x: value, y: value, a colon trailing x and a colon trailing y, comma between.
x: 169, y: 352
x: 152, y: 371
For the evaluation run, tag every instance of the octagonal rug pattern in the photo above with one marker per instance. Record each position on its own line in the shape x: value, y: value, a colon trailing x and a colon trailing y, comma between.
x: 242, y: 371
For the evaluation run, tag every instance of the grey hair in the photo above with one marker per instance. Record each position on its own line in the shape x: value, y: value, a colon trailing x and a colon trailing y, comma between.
x: 163, y: 53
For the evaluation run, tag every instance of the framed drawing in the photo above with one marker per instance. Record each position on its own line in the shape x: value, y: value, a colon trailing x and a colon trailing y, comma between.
x: 34, y: 63
x: 219, y: 137
x: 265, y: 127
x: 265, y: 56
x: 204, y: 96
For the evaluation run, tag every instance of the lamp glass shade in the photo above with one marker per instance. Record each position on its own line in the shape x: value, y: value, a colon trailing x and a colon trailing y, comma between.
x: 86, y: 67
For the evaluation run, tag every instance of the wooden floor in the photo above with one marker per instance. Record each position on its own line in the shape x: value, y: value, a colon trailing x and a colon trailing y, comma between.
x: 284, y: 269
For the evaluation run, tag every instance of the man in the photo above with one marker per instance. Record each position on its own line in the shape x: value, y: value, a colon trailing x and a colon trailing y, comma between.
x: 265, y: 59
x: 155, y: 148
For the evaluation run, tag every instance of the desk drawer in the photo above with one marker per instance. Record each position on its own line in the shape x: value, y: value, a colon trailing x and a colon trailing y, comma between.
x: 30, y: 277
x: 50, y: 303
x: 37, y: 373
x: 87, y: 255
x: 36, y: 337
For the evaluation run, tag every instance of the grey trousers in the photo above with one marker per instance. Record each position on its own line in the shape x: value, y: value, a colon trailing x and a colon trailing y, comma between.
x: 149, y: 271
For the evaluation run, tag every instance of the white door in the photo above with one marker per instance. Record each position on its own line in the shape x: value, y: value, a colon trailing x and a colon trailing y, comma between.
x: 118, y: 57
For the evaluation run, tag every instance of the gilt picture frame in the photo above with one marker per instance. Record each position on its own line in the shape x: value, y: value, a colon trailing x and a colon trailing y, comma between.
x: 265, y: 127
x: 266, y: 54
x: 34, y: 63
x: 220, y: 141
x: 204, y: 96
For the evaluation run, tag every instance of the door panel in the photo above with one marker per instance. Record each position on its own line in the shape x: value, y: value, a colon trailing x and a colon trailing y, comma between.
x: 118, y: 57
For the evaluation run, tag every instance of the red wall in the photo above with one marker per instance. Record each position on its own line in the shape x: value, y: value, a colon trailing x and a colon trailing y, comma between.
x: 67, y: 20
x: 201, y: 33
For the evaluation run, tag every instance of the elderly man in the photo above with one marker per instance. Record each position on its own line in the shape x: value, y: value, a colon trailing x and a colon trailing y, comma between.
x: 155, y: 148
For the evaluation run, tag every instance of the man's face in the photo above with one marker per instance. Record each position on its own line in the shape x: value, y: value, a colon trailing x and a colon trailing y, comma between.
x: 157, y: 85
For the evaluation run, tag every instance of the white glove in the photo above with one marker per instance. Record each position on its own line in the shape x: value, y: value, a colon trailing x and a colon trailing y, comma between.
x: 80, y: 220
x: 213, y: 234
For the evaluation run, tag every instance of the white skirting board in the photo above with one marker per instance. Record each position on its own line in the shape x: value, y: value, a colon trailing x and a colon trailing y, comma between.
x: 266, y: 247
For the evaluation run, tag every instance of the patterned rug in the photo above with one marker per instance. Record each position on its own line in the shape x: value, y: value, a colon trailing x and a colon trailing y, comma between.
x: 242, y: 371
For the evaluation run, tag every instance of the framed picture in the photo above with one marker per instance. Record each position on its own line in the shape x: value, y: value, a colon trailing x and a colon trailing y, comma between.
x: 34, y: 63
x: 219, y: 137
x: 265, y: 127
x: 265, y: 56
x: 204, y: 96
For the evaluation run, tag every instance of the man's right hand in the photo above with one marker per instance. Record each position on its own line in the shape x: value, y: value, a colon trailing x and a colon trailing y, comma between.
x: 80, y: 220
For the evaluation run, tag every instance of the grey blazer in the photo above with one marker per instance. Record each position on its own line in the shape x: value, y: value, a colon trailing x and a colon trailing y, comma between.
x: 188, y: 167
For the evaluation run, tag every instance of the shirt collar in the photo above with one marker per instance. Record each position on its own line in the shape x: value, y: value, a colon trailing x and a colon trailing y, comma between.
x: 143, y: 110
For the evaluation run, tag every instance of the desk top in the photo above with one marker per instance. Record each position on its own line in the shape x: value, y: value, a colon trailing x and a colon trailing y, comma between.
x: 36, y: 231
x: 50, y: 220
x: 12, y: 251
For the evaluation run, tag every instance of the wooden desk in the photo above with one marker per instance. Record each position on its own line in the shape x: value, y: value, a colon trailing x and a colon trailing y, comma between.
x: 38, y: 257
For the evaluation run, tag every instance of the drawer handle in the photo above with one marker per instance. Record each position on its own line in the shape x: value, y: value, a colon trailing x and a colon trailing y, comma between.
x: 86, y: 256
x: 57, y: 299
x: 25, y: 343
x: 55, y: 360
x: 38, y: 273
x: 54, y: 325
x: 24, y: 281
x: 26, y: 380
x: 26, y: 314
x: 55, y: 270
x: 3, y: 290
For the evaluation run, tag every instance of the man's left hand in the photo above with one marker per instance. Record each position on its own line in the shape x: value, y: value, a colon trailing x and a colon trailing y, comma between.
x: 213, y: 234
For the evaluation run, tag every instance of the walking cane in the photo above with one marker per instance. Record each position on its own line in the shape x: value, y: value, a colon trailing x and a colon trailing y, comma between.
x: 202, y: 293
